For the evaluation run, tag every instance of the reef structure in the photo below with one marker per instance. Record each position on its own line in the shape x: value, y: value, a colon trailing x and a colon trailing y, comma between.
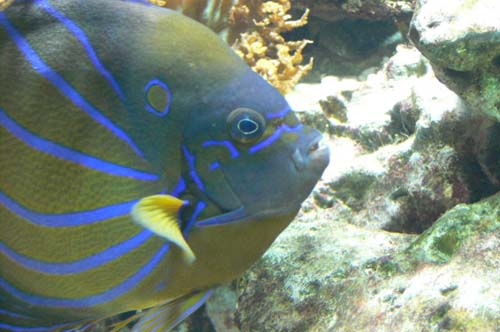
x: 255, y: 30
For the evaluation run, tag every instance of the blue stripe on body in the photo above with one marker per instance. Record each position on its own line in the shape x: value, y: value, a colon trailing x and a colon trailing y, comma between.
x: 197, y: 210
x: 279, y: 114
x: 58, y: 81
x: 70, y: 219
x: 83, y: 39
x: 68, y: 154
x: 14, y: 314
x: 93, y: 300
x: 229, y: 145
x: 192, y: 168
x: 213, y: 166
x: 82, y: 265
x: 234, y: 216
x: 179, y: 187
x: 273, y: 137
x: 14, y: 328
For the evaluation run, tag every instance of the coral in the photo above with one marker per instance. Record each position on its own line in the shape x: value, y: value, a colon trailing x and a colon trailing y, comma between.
x: 254, y: 29
x: 263, y: 47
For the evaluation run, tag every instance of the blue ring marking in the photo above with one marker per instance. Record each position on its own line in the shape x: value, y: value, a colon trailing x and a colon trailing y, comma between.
x: 213, y: 166
x: 58, y: 81
x: 179, y: 187
x: 197, y: 210
x: 273, y: 137
x: 83, y: 39
x: 279, y: 114
x: 71, y: 219
x: 229, y: 145
x: 82, y: 265
x: 93, y: 300
x: 192, y: 170
x: 68, y: 154
x: 150, y: 108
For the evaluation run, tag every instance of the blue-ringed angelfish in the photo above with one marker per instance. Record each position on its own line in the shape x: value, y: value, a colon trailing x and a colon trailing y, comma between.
x: 142, y: 164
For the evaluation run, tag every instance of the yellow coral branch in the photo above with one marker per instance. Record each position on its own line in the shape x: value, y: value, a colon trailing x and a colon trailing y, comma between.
x: 265, y: 49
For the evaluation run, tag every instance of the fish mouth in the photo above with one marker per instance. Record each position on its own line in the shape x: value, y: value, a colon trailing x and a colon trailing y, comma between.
x: 317, y: 147
x: 313, y: 150
x: 241, y: 215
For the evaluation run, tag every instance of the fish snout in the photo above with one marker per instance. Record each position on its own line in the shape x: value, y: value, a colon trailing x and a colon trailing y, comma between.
x: 311, y: 151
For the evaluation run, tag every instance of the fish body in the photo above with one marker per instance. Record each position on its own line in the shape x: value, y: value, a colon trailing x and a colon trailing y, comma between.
x: 142, y: 163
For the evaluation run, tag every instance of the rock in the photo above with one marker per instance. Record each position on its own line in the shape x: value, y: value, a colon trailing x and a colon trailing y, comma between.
x: 325, y: 275
x: 305, y: 277
x: 381, y: 106
x: 406, y: 150
x: 374, y: 10
x: 402, y: 233
x: 349, y: 46
x: 221, y: 308
x: 462, y: 41
x: 458, y: 226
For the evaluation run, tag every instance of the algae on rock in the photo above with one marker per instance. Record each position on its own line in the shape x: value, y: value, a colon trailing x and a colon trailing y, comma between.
x: 462, y: 41
x: 330, y: 276
x: 464, y: 222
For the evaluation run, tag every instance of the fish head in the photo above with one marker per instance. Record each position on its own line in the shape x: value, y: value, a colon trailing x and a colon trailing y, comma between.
x: 247, y: 153
x: 244, y: 153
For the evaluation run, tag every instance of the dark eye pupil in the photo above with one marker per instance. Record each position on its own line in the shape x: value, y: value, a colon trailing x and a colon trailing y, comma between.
x: 247, y: 126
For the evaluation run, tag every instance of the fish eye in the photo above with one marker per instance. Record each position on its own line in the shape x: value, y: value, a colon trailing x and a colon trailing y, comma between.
x: 246, y: 125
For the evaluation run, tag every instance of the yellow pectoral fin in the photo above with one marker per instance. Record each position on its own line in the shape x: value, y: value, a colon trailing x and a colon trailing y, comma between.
x: 159, y: 213
x: 4, y: 4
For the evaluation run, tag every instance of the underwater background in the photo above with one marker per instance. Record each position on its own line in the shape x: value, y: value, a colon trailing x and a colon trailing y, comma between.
x: 402, y: 232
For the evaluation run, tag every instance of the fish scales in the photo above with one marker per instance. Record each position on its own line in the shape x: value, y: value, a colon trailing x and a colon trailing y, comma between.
x: 142, y: 164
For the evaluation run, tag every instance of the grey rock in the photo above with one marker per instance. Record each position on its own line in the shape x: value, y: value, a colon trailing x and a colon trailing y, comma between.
x: 408, y: 148
x: 323, y: 274
x: 375, y: 10
x: 462, y: 41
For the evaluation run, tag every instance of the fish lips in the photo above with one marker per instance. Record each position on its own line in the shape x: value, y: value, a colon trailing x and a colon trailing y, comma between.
x: 310, y: 159
x: 312, y: 153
